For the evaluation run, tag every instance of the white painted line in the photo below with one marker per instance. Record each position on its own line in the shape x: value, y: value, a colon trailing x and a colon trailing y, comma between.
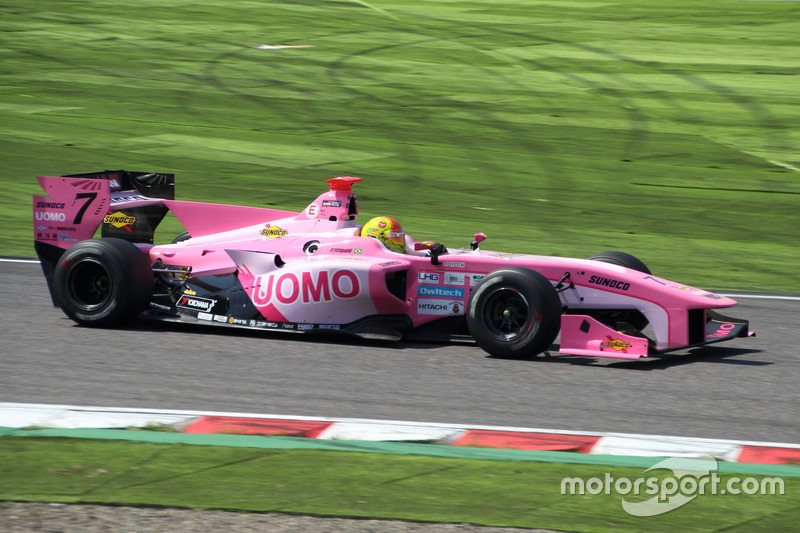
x: 761, y: 296
x: 281, y: 46
x: 734, y: 296
x: 18, y: 260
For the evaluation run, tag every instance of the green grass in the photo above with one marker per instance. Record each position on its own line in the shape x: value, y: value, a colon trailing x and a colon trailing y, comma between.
x: 359, y: 484
x: 567, y: 128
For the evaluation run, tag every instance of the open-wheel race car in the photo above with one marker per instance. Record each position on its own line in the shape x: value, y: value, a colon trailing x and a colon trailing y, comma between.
x: 318, y: 270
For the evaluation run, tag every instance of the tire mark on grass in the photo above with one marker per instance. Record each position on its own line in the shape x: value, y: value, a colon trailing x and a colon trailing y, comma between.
x: 467, y: 143
x: 157, y: 455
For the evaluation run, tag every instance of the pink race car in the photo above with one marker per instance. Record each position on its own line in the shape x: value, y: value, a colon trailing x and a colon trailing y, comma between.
x: 319, y: 270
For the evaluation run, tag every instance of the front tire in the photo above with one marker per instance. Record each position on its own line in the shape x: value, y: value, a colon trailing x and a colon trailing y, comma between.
x: 103, y: 282
x: 621, y: 259
x: 185, y: 236
x: 616, y: 319
x: 514, y: 312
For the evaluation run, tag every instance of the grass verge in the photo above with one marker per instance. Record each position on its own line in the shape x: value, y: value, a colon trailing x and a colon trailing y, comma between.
x: 358, y: 484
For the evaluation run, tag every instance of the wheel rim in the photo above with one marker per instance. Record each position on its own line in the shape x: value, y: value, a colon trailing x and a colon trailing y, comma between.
x: 508, y: 315
x: 89, y: 285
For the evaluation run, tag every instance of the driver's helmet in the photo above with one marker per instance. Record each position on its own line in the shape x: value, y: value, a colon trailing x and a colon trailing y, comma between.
x: 388, y: 231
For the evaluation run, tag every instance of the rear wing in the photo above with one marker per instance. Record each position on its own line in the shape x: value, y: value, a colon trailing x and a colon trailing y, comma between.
x: 128, y: 205
x: 124, y: 204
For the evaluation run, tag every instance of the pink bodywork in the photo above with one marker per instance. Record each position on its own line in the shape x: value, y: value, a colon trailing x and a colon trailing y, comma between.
x: 344, y: 280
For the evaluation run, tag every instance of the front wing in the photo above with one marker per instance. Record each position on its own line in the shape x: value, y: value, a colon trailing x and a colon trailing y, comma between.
x: 584, y: 335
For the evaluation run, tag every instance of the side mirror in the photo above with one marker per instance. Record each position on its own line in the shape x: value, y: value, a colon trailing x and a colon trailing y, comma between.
x: 479, y: 238
x: 435, y: 249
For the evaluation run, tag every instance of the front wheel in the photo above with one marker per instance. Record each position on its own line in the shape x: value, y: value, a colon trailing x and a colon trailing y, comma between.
x: 103, y: 282
x: 618, y: 318
x: 514, y: 312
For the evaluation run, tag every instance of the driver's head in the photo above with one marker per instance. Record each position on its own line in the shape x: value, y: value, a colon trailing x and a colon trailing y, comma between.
x: 388, y: 231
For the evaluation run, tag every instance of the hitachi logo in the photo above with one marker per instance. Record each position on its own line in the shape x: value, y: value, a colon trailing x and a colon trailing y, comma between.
x: 608, y: 282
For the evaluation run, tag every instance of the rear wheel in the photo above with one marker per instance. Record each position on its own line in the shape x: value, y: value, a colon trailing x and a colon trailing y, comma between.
x: 103, y: 282
x: 514, y: 312
x: 616, y: 318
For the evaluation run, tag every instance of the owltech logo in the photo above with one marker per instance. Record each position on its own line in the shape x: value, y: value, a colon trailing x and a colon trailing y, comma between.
x: 119, y: 220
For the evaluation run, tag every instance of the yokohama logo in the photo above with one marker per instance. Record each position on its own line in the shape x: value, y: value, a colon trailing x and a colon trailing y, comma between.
x: 305, y: 287
x: 196, y: 303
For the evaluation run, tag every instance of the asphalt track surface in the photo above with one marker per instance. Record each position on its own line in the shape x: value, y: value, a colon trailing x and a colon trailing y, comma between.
x: 745, y: 389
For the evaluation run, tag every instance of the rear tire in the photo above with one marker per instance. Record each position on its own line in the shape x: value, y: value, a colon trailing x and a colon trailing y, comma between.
x: 514, y: 313
x: 103, y: 282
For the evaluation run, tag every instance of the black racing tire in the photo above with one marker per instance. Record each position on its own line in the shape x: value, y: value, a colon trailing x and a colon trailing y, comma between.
x: 185, y: 236
x: 514, y: 313
x: 621, y: 259
x: 626, y: 316
x: 103, y: 282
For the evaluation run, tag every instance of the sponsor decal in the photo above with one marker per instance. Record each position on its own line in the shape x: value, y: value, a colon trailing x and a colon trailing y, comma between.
x: 429, y: 277
x: 313, y: 210
x: 454, y: 264
x: 458, y: 278
x: 220, y: 318
x: 440, y: 307
x: 390, y: 263
x: 128, y: 198
x: 50, y: 216
x: 329, y: 326
x: 114, y: 184
x: 205, y: 316
x: 50, y: 205
x: 305, y: 287
x: 63, y: 237
x: 274, y: 232
x: 331, y: 203
x: 341, y: 250
x: 189, y: 291
x: 41, y: 228
x: 287, y: 326
x: 618, y: 345
x: 440, y: 292
x: 195, y: 303
x: 271, y: 324
x: 237, y: 321
x: 119, y: 220
x: 305, y: 327
x: 608, y: 282
x: 724, y: 330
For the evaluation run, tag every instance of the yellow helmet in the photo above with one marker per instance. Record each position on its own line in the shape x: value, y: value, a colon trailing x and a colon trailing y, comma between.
x: 388, y: 231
